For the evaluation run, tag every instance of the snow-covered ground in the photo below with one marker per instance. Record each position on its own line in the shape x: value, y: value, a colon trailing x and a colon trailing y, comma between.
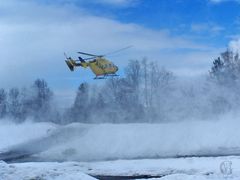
x: 167, y: 169
x: 87, y: 148
x: 13, y: 134
x: 133, y: 141
x: 41, y: 171
x: 93, y: 142
x: 171, y: 168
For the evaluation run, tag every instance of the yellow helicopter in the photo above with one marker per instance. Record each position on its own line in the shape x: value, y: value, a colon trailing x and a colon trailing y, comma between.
x: 99, y: 65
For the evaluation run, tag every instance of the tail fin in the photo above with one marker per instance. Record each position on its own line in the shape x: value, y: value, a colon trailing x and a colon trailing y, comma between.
x: 70, y: 63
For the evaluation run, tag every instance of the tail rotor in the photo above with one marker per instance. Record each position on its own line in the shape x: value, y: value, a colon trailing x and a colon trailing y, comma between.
x: 70, y: 62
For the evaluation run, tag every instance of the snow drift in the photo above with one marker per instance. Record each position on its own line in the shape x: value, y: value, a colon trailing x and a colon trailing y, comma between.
x: 91, y: 142
x: 13, y: 134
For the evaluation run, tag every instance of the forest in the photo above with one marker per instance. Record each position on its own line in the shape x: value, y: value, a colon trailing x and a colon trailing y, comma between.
x: 146, y: 93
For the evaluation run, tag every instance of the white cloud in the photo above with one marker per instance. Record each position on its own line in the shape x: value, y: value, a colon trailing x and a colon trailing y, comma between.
x: 114, y: 3
x: 206, y: 28
x: 234, y: 45
x: 199, y: 27
x: 217, y: 1
x: 34, y: 36
x: 221, y: 1
x: 117, y: 2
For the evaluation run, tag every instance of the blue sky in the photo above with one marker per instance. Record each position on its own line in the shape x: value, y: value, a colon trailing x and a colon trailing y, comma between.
x: 181, y: 17
x: 182, y: 35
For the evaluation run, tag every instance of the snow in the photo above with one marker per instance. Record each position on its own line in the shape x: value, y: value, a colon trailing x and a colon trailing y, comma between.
x: 12, y: 134
x: 204, y: 168
x: 98, y: 142
x: 207, y: 166
x: 187, y: 177
x: 121, y: 150
x: 134, y: 141
x: 41, y: 171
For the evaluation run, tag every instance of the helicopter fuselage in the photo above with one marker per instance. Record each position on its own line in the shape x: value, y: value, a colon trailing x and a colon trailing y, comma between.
x: 101, y: 66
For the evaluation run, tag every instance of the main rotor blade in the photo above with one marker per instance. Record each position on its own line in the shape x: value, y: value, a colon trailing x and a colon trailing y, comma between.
x: 89, y: 58
x: 86, y: 59
x: 65, y: 55
x: 122, y: 49
x: 88, y: 54
x: 94, y: 56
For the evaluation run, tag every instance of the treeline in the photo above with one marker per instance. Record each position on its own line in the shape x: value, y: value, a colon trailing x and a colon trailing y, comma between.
x: 128, y: 99
x: 146, y: 93
x: 34, y: 102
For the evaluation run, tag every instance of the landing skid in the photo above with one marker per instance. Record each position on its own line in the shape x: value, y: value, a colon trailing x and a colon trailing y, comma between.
x: 112, y: 75
x: 100, y: 77
x: 105, y: 76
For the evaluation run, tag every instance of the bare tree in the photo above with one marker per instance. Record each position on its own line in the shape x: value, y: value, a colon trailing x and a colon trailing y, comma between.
x: 41, y: 100
x: 145, y: 72
x: 14, y: 104
x: 133, y: 74
x: 3, y: 103
x: 160, y: 87
x: 226, y: 69
x: 79, y: 112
